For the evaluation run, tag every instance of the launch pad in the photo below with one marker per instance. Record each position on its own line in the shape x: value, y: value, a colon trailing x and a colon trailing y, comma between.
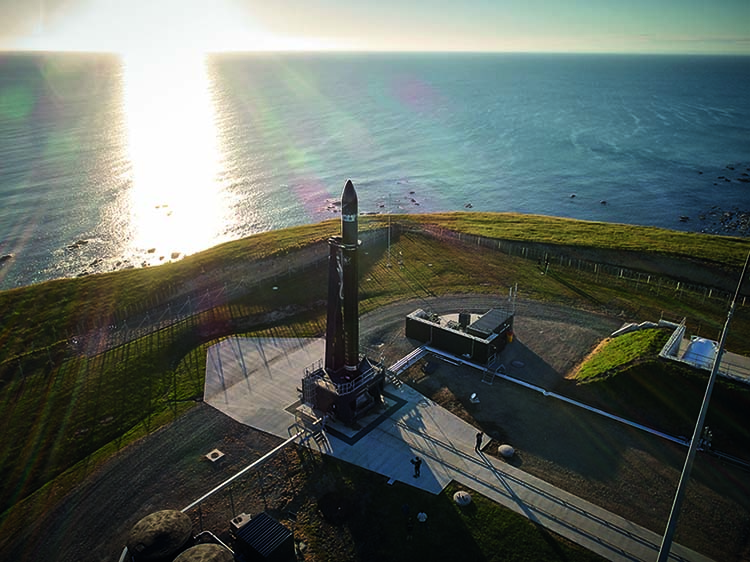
x: 344, y: 397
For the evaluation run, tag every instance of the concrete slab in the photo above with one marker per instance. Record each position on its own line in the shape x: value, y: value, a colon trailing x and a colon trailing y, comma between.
x: 253, y: 380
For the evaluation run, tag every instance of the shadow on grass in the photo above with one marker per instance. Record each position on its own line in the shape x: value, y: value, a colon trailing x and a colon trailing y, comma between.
x: 505, y: 535
x: 354, y: 514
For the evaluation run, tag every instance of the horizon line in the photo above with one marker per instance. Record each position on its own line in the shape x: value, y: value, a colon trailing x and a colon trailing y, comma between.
x: 392, y: 52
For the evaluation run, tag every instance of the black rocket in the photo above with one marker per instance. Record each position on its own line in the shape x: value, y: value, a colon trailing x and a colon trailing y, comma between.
x: 342, y: 328
x: 347, y: 386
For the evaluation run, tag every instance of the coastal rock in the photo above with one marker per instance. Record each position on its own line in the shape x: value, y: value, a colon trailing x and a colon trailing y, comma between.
x: 739, y: 175
x: 5, y: 258
x: 77, y: 244
x: 735, y: 222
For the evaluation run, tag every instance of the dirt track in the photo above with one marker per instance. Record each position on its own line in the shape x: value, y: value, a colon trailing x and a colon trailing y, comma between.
x: 615, y: 467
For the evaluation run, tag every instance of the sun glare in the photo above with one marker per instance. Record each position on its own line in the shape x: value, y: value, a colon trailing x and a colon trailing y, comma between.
x: 176, y: 199
x: 151, y: 27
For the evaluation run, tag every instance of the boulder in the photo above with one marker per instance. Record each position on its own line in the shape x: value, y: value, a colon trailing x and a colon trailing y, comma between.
x: 506, y: 451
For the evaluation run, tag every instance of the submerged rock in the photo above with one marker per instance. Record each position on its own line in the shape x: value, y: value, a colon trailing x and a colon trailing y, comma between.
x: 77, y: 244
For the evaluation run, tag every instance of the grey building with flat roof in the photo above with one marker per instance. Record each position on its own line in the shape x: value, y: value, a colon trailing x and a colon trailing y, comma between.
x: 479, y: 338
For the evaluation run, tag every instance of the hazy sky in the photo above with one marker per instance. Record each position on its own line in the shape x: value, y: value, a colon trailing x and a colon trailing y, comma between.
x: 650, y: 26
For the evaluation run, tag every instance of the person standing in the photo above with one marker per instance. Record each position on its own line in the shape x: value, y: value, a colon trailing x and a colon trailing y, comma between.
x: 478, y: 446
x: 417, y: 462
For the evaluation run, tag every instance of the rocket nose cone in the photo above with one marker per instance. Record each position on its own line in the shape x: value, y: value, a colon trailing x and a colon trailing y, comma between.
x: 348, y: 195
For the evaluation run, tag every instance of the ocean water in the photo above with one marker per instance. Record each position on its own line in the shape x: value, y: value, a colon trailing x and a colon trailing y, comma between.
x: 108, y: 163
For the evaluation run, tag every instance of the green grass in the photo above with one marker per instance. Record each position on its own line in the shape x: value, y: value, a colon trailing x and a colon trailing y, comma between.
x: 619, y: 352
x: 64, y: 412
x: 40, y: 318
x: 726, y: 250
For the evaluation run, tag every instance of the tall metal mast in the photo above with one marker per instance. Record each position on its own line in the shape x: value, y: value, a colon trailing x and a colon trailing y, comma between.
x: 666, y: 543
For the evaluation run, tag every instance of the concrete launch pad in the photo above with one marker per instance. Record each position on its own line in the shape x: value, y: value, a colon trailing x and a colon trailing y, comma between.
x: 255, y: 381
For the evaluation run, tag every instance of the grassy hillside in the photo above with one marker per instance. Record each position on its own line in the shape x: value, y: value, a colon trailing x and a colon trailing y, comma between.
x: 615, y: 354
x: 625, y: 376
x: 726, y: 250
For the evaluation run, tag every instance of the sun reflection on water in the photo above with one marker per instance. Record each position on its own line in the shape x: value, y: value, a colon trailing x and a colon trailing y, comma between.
x: 176, y: 200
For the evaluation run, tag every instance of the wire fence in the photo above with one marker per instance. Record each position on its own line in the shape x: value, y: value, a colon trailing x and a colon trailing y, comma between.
x: 596, y: 271
x: 162, y: 310
x: 165, y: 309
